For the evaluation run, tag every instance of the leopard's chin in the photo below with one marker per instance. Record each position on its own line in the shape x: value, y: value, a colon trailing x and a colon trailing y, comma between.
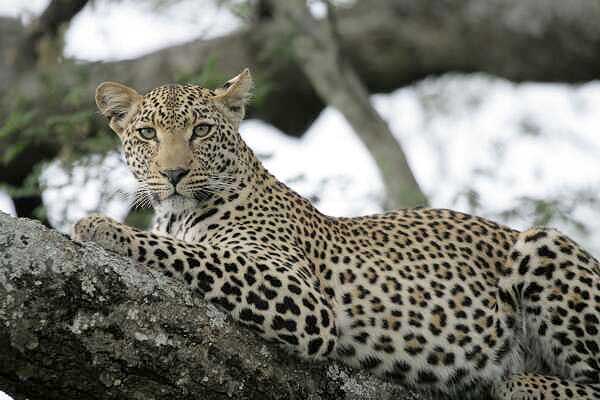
x: 176, y: 203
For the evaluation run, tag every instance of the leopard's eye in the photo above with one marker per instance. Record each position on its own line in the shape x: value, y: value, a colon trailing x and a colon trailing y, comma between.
x: 202, y: 130
x: 147, y: 133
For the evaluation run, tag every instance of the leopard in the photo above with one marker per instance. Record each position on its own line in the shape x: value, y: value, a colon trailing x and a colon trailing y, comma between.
x: 435, y: 300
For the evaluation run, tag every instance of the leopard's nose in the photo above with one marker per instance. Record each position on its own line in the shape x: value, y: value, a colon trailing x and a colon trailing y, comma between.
x: 174, y: 175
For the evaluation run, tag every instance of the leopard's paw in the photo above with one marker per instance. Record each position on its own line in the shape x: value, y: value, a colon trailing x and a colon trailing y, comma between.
x: 102, y: 230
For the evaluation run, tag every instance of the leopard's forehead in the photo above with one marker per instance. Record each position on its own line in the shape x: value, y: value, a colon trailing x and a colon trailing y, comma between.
x: 176, y: 106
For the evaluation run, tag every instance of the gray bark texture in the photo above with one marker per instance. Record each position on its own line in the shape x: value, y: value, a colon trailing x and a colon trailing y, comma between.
x: 77, y: 322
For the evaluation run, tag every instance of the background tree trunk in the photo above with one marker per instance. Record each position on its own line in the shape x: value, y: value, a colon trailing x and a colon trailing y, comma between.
x: 77, y: 322
x: 335, y: 80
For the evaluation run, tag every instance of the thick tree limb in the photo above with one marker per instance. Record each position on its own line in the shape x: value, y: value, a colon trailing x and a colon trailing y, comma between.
x: 317, y: 50
x: 79, y: 323
x: 56, y: 14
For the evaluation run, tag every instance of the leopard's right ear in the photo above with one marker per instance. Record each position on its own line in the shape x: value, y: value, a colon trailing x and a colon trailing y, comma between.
x: 118, y: 103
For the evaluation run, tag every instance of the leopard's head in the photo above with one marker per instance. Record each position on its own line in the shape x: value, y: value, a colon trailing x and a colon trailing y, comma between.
x: 181, y: 141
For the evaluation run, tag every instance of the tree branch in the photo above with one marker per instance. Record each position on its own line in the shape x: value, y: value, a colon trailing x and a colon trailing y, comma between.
x: 77, y: 322
x: 56, y: 14
x: 317, y: 50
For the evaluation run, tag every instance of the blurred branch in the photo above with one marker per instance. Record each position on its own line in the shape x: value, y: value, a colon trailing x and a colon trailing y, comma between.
x: 389, y: 43
x: 47, y: 26
x: 317, y: 50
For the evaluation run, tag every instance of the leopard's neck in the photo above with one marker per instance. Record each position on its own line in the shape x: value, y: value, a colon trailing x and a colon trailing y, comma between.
x: 194, y: 221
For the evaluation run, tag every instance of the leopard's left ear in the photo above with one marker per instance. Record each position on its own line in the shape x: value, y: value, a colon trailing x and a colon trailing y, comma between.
x: 234, y: 95
x: 117, y: 102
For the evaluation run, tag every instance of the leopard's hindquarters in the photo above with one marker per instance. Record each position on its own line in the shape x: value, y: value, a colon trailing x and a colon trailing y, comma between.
x: 549, y: 291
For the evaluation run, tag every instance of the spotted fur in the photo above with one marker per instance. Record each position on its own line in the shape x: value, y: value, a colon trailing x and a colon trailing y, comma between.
x: 433, y: 299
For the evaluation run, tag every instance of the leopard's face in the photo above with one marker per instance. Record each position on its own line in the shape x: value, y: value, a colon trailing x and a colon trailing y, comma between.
x: 181, y: 141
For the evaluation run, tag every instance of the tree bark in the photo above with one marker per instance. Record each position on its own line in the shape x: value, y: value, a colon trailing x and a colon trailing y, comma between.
x: 317, y: 51
x: 77, y: 322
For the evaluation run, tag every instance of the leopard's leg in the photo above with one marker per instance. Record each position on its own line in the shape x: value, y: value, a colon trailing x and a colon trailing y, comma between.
x: 550, y: 289
x: 540, y: 387
x: 270, y: 298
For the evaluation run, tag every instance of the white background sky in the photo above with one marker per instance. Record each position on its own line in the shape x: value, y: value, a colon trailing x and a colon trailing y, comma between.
x: 504, y: 140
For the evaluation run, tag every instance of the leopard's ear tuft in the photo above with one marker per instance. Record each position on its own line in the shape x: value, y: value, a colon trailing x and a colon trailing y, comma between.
x: 234, y: 95
x: 117, y: 102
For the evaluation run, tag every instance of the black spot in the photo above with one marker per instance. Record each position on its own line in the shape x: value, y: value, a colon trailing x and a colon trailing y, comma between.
x: 259, y: 302
x: 192, y: 262
x: 241, y: 260
x: 308, y: 304
x: 314, y: 345
x: 547, y: 271
x: 231, y: 267
x: 294, y: 289
x: 249, y: 278
x: 288, y: 304
x: 544, y: 251
x: 563, y: 338
x: 280, y: 323
x: 204, y: 216
x: 273, y: 281
x: 269, y: 293
x: 160, y: 254
x: 524, y: 265
x: 178, y: 265
x: 248, y: 315
x: 214, y: 269
x: 433, y: 359
x: 398, y: 371
x: 311, y: 325
x: 370, y: 362
x: 532, y: 289
x: 482, y: 362
x: 324, y: 318
x: 361, y: 337
x: 507, y: 298
x: 330, y: 346
x: 426, y: 377
x: 204, y: 281
x: 229, y: 289
x: 291, y: 339
x: 448, y: 359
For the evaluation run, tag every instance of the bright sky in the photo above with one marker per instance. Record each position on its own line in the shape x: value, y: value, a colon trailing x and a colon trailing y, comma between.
x: 127, y: 28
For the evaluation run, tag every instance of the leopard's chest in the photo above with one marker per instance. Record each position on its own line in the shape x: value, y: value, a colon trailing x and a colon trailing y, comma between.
x: 196, y: 225
x: 190, y: 226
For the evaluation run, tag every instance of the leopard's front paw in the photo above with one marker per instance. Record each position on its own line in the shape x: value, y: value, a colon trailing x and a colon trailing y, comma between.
x: 102, y: 230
